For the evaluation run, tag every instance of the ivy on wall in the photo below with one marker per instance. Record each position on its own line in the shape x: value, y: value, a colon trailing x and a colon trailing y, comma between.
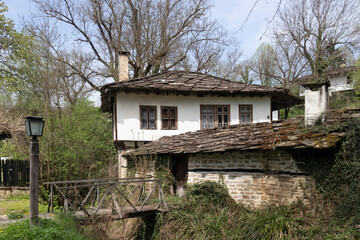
x: 337, y: 172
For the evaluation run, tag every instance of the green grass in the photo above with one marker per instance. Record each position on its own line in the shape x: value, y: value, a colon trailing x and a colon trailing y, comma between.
x: 62, y: 227
x: 208, y: 212
x: 18, y: 204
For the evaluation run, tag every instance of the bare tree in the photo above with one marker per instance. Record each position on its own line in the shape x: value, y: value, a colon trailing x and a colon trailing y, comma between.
x: 262, y: 64
x: 159, y: 34
x: 289, y: 63
x: 317, y: 29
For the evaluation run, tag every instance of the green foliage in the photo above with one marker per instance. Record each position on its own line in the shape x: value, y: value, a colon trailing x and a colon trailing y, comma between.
x: 15, y: 215
x: 63, y: 227
x: 356, y: 78
x: 9, y: 149
x: 18, y: 204
x: 338, y: 178
x: 209, y: 193
x: 272, y: 222
x: 342, y: 100
x: 80, y: 145
x: 342, y: 184
x: 14, y: 52
x: 294, y: 111
x: 208, y: 212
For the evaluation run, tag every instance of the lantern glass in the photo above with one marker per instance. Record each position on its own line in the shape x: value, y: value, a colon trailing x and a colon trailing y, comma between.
x: 34, y: 126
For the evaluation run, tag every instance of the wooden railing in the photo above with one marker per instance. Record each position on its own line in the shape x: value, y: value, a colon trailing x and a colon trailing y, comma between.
x: 128, y: 197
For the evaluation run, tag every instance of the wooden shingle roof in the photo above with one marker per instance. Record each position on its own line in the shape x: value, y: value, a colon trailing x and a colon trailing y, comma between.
x: 198, y: 84
x: 284, y: 134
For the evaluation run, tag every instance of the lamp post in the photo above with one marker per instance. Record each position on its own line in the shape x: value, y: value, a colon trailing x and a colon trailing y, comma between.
x: 34, y: 128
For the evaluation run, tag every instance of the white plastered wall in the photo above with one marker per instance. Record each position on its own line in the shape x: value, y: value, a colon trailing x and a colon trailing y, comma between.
x: 316, y: 103
x: 339, y: 84
x: 128, y: 113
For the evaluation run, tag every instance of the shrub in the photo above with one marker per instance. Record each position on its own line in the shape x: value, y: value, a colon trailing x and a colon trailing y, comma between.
x: 209, y: 193
x: 63, y: 227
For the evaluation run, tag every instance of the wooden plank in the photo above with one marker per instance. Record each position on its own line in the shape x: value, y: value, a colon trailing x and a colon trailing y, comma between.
x: 87, y: 196
x: 16, y: 172
x: 6, y: 173
x: 92, y: 180
x: 62, y: 194
x: 104, y: 184
x: 102, y: 199
x: 125, y: 198
x: 133, y: 191
x: 147, y: 198
x: 11, y: 172
x: 117, y: 208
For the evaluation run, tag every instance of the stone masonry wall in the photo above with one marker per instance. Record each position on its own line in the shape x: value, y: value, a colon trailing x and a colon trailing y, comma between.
x: 245, y: 184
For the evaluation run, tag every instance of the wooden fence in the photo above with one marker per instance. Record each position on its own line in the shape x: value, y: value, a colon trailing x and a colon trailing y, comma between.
x: 14, y: 172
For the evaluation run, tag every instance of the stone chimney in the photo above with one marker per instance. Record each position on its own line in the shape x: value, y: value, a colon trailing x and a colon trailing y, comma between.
x: 123, y: 66
x: 316, y: 101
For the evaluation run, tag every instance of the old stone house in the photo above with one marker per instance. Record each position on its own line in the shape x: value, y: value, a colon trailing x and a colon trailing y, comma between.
x: 259, y: 163
x: 339, y: 79
x: 175, y: 102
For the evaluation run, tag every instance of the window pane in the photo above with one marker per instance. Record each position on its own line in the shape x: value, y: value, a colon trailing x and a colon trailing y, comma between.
x: 144, y: 123
x: 165, y: 112
x: 226, y: 120
x: 172, y: 124
x: 152, y: 124
x: 204, y: 121
x: 225, y: 109
x: 248, y: 118
x: 248, y: 109
x: 172, y: 113
x: 165, y: 124
x: 210, y: 109
x: 204, y: 109
x: 220, y: 122
x: 242, y: 109
x: 211, y: 121
x: 219, y: 109
x: 144, y: 112
x: 242, y: 118
x: 152, y: 113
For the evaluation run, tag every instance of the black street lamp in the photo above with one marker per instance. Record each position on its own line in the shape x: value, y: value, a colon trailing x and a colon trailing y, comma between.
x: 34, y: 128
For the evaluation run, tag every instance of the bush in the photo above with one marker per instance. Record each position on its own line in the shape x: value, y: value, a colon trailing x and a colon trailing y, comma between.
x: 208, y: 212
x: 63, y: 227
x: 209, y: 193
x: 15, y: 215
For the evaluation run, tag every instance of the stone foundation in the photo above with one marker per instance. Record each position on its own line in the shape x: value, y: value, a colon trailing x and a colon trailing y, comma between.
x: 253, y: 178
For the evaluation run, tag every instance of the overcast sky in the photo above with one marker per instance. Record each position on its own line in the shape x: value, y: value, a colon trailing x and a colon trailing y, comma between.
x: 230, y: 13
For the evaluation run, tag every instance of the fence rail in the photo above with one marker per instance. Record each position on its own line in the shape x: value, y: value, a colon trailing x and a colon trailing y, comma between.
x: 126, y: 197
x: 14, y: 172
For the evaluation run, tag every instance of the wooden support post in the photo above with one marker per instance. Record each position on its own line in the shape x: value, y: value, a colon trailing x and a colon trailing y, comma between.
x: 52, y: 198
x: 147, y: 198
x: 66, y: 205
x: 97, y: 194
x: 117, y: 208
x: 34, y: 181
x: 123, y: 195
x: 102, y: 199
